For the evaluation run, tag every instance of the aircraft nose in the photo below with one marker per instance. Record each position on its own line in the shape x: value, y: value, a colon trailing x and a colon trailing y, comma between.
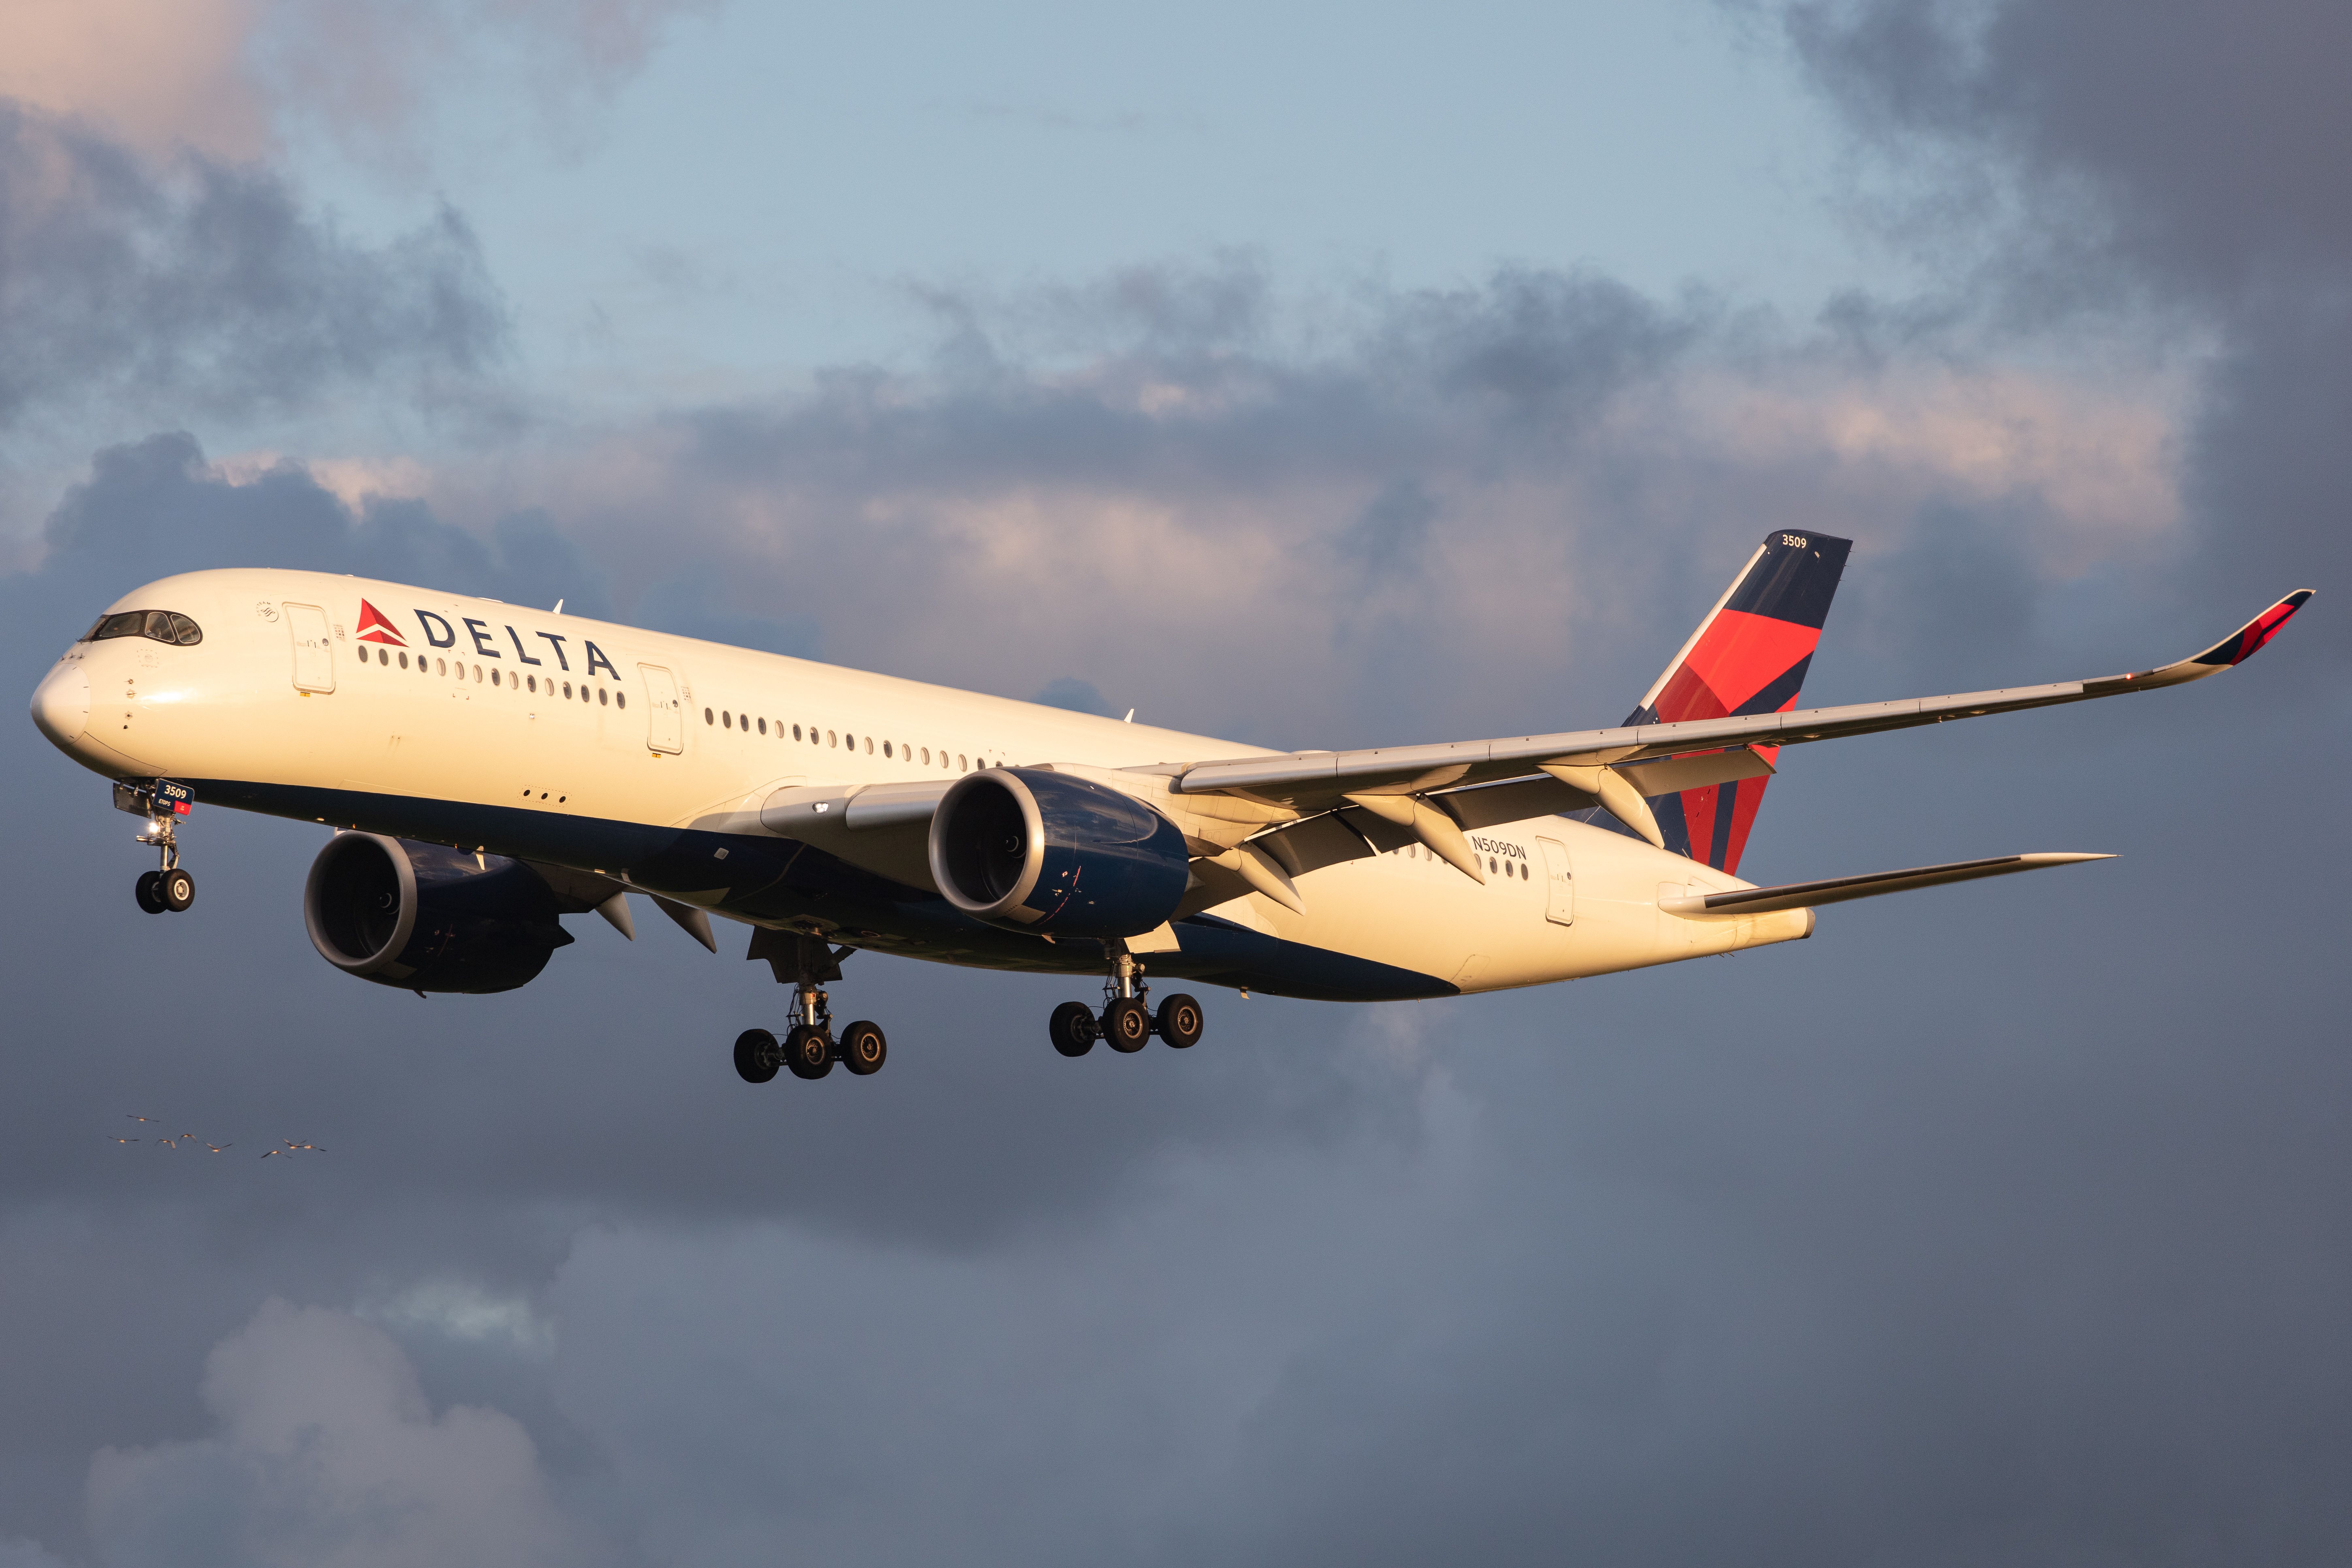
x: 61, y: 704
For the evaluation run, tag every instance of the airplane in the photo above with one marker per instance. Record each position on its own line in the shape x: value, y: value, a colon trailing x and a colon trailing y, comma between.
x: 487, y: 769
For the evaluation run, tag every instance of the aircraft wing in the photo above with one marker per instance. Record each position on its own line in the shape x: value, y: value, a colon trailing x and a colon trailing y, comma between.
x: 1321, y: 781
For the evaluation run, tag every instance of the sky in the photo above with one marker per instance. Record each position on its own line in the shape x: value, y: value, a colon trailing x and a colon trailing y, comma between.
x: 1332, y: 376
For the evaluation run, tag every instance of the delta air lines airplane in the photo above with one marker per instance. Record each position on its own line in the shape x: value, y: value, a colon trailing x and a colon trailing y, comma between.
x: 489, y: 769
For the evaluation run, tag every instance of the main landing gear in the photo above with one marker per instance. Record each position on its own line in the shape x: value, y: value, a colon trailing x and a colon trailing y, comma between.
x: 168, y: 887
x: 1126, y: 1021
x: 809, y: 1047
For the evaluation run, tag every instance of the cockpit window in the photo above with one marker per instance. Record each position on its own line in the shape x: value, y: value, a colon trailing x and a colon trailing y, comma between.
x: 163, y: 626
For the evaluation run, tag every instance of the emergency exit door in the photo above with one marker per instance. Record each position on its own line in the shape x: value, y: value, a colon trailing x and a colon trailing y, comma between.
x: 314, y: 648
x: 665, y: 718
x: 1559, y: 882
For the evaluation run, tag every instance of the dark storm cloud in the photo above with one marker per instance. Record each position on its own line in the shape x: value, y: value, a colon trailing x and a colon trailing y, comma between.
x: 154, y: 507
x: 2185, y: 154
x: 1996, y: 1225
x: 202, y: 286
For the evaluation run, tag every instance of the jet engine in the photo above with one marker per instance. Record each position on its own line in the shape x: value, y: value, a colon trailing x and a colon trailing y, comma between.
x: 1036, y: 850
x: 427, y: 917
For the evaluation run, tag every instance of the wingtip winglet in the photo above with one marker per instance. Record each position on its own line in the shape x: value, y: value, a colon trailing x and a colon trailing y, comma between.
x: 2247, y: 640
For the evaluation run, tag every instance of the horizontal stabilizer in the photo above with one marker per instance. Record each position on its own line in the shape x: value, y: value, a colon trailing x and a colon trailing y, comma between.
x: 1838, y: 889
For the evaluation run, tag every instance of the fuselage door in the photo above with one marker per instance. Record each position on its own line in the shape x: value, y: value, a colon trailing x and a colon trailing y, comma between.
x: 314, y: 650
x: 1559, y: 883
x: 665, y: 719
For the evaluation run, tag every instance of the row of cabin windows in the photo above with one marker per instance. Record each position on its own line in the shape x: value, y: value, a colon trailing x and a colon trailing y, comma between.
x: 1498, y: 867
x: 726, y: 720
x: 601, y: 695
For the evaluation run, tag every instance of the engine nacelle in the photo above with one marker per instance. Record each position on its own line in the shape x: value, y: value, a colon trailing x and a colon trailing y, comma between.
x: 427, y: 917
x: 1046, y: 852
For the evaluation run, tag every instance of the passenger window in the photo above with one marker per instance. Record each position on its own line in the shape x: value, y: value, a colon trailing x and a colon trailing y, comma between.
x: 962, y: 766
x: 927, y: 756
x: 885, y: 748
x: 829, y: 739
x: 869, y: 745
x: 404, y: 661
x: 620, y: 699
x: 709, y: 718
x: 763, y: 726
x: 796, y: 732
x: 477, y: 675
x: 494, y: 677
x: 601, y: 697
x: 849, y: 739
x: 531, y: 683
x: 727, y: 720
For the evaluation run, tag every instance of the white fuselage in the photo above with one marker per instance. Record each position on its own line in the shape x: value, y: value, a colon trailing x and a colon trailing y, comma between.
x: 627, y: 753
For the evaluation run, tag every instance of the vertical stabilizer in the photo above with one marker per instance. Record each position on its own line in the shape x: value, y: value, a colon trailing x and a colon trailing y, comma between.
x: 1749, y: 656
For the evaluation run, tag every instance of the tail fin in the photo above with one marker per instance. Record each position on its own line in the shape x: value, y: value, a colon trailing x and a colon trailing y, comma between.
x: 1749, y: 656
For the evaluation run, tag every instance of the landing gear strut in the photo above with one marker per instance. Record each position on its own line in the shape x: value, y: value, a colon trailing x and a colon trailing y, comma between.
x: 809, y: 1048
x: 1126, y: 1021
x: 162, y: 803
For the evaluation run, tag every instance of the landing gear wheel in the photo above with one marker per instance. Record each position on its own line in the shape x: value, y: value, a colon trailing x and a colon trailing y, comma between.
x: 148, y: 898
x: 808, y: 1052
x: 756, y: 1056
x: 1125, y: 1024
x: 1179, y: 1023
x: 863, y: 1047
x: 1073, y: 1029
x: 177, y: 890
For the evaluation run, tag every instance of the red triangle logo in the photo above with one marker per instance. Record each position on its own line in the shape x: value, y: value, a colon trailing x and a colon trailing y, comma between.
x: 373, y: 627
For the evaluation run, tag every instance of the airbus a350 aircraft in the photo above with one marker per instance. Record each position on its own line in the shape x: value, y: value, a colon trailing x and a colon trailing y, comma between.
x: 490, y: 768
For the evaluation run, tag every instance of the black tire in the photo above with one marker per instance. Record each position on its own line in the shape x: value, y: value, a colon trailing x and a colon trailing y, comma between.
x: 1126, y: 1025
x: 1073, y: 1028
x: 176, y: 888
x: 808, y: 1051
x: 148, y: 898
x: 756, y: 1056
x: 863, y: 1048
x: 1179, y: 1022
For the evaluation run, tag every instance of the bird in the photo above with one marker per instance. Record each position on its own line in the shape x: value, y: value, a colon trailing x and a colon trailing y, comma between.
x: 126, y: 1139
x: 267, y: 1153
x: 167, y: 1143
x: 138, y: 1118
x: 216, y: 1148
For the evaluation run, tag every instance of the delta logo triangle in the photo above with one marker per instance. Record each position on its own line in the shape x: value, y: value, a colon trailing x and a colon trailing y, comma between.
x: 373, y: 627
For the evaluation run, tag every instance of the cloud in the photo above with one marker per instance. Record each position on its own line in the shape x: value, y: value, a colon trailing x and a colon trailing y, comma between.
x: 326, y: 1451
x: 2095, y: 158
x: 161, y: 75
x: 1437, y: 497
x: 233, y: 79
x: 152, y: 507
x: 1797, y: 1257
x: 198, y: 287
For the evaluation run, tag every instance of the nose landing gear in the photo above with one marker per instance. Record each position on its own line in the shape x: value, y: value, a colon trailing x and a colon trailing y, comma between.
x: 162, y: 803
x: 809, y: 1048
x: 1126, y: 1021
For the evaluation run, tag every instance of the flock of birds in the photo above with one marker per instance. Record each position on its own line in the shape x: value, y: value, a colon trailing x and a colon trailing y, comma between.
x: 173, y: 1139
